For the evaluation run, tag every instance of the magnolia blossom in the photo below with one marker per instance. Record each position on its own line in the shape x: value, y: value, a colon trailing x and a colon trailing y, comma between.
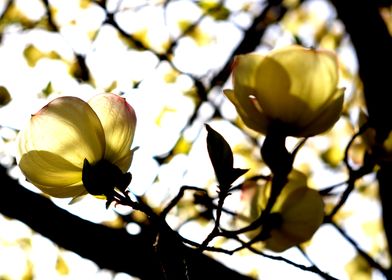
x: 68, y: 136
x: 296, y: 215
x: 292, y: 89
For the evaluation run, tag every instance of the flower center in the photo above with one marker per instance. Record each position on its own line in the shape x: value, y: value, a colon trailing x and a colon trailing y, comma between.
x: 103, y: 178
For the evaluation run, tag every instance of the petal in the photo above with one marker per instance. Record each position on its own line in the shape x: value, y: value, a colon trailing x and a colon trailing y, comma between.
x: 252, y: 118
x: 273, y: 92
x: 296, y: 179
x: 245, y: 80
x: 244, y: 71
x: 119, y: 122
x: 325, y: 118
x: 52, y: 174
x: 303, y: 213
x: 313, y: 73
x: 67, y: 126
x: 279, y: 242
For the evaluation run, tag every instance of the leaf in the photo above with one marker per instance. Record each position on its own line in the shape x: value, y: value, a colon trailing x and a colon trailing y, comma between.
x: 221, y: 157
x: 359, y: 269
x: 48, y: 90
x: 62, y: 266
x: 5, y: 96
x: 215, y: 9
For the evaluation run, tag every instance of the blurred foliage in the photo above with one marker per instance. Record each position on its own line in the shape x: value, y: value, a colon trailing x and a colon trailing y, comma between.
x: 170, y: 59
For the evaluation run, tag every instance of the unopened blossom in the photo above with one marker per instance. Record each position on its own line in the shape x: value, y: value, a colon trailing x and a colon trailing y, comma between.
x: 71, y: 147
x: 291, y: 89
x: 296, y: 215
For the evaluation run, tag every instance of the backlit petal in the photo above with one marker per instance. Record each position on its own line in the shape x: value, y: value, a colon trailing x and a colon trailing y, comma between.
x: 245, y: 69
x: 313, y: 73
x: 273, y: 92
x: 52, y: 173
x: 249, y: 114
x: 119, y: 121
x: 67, y: 126
x: 326, y: 117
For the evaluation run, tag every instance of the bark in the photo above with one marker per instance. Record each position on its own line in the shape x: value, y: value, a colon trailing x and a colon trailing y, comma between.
x: 109, y: 248
x: 373, y: 45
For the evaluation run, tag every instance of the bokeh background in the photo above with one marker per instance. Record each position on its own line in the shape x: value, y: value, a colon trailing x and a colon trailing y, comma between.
x: 171, y: 60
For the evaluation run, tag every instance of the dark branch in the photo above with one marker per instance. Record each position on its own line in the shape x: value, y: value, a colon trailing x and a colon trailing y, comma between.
x: 109, y: 248
x: 373, y: 45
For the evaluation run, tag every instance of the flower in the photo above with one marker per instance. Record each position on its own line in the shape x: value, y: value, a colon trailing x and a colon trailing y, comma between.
x: 293, y: 89
x: 69, y: 145
x: 296, y: 215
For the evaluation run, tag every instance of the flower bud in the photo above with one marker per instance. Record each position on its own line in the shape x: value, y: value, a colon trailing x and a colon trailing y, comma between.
x: 296, y: 215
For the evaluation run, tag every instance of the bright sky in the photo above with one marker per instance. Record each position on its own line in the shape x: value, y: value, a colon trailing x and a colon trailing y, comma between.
x: 163, y: 110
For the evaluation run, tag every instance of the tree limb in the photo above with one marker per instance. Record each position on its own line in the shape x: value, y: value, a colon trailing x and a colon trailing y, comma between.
x: 109, y: 248
x: 373, y: 45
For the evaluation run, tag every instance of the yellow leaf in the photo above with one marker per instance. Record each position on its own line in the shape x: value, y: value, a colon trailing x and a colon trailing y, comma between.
x: 359, y: 269
x: 215, y: 9
x: 333, y: 156
x: 162, y: 114
x: 33, y: 55
x: 183, y: 146
x: 372, y: 228
x: 29, y: 271
x: 196, y: 33
x: 170, y: 76
x: 61, y: 266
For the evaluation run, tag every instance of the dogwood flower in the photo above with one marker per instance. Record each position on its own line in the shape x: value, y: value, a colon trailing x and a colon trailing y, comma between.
x: 296, y: 215
x: 71, y: 147
x: 292, y: 88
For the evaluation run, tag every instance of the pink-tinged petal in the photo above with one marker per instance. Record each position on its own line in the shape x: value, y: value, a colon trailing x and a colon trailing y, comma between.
x: 244, y: 71
x: 119, y: 122
x: 52, y: 174
x: 68, y: 127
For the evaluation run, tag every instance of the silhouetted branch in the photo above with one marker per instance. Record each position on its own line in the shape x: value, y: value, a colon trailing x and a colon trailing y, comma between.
x: 110, y: 248
x: 373, y: 45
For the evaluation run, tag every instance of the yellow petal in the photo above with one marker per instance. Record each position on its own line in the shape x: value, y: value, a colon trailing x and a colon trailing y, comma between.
x: 273, y: 92
x: 119, y: 122
x: 301, y: 208
x: 296, y: 180
x: 313, y: 73
x: 302, y: 213
x: 52, y: 174
x: 252, y: 118
x: 325, y: 118
x: 244, y: 71
x: 68, y: 127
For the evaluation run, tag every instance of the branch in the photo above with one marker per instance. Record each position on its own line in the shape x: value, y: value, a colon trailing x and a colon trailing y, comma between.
x: 373, y: 45
x: 109, y: 248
